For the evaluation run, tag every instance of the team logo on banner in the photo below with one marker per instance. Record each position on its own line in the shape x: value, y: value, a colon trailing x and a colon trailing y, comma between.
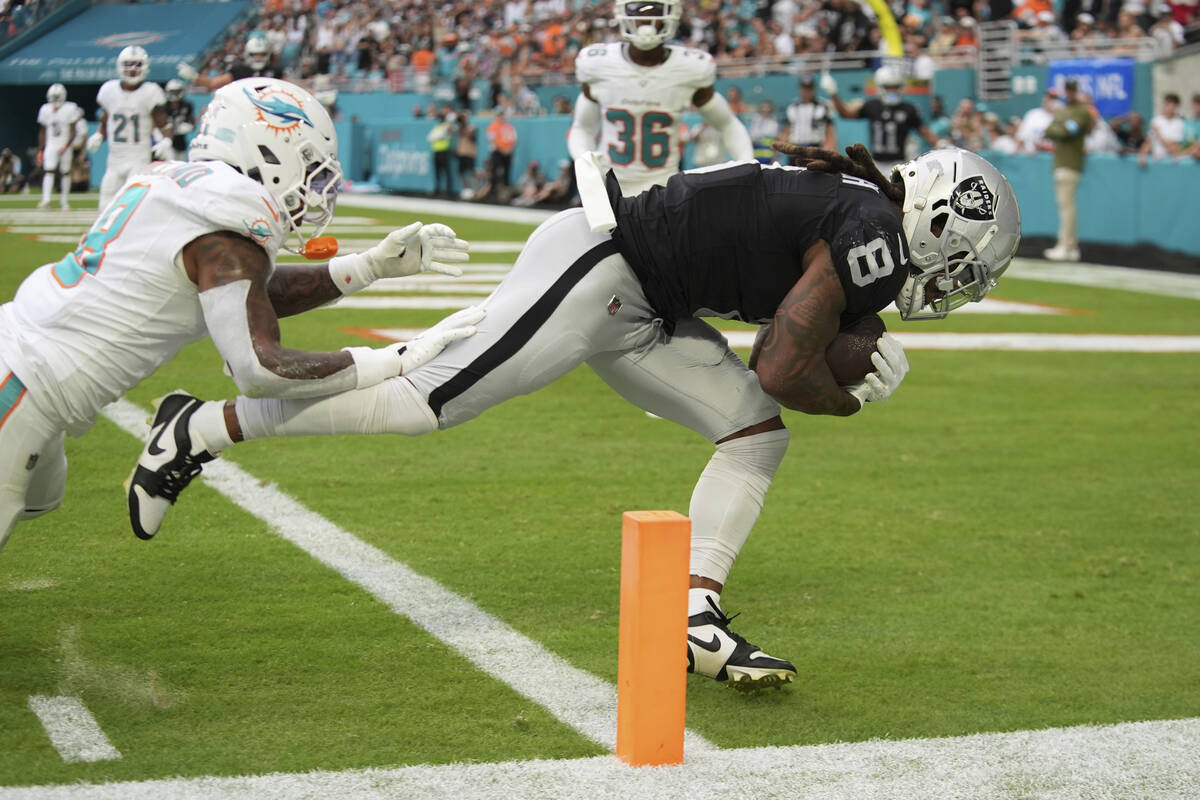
x: 118, y: 41
x: 974, y: 200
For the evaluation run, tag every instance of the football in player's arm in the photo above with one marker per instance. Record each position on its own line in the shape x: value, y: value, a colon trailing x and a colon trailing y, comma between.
x: 623, y: 283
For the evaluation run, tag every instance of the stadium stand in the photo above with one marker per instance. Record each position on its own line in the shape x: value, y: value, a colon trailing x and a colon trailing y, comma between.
x: 388, y: 66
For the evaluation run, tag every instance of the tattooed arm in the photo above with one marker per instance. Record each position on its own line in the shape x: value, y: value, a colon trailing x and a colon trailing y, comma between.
x: 231, y: 273
x: 294, y: 289
x: 789, y: 352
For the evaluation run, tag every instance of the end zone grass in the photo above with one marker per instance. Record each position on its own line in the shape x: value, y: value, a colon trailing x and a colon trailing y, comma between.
x: 1010, y: 543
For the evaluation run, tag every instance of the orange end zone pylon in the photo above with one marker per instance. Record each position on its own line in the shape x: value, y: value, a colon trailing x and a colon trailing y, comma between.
x: 652, y: 651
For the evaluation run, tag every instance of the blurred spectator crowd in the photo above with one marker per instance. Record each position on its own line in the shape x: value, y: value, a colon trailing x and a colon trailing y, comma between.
x: 1170, y: 134
x: 417, y: 45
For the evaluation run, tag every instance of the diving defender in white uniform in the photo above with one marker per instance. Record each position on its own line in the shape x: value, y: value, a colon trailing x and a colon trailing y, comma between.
x: 187, y: 250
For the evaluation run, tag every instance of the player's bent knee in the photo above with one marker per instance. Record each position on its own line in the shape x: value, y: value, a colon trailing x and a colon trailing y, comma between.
x: 402, y: 409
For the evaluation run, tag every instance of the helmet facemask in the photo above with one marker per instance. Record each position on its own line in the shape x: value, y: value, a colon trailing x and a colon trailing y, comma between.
x: 647, y: 24
x: 257, y: 54
x: 56, y: 95
x: 133, y: 65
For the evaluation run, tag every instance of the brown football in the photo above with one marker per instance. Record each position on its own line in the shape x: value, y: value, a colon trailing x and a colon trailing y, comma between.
x: 849, y: 354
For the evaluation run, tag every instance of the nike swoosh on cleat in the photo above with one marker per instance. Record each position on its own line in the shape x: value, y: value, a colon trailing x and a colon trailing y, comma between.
x: 713, y: 646
x: 903, y: 252
x: 153, y: 448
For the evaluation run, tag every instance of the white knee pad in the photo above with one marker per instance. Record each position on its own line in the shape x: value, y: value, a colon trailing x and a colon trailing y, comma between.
x: 728, y: 498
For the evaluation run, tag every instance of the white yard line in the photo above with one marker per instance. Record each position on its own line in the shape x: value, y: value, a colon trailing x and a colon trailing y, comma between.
x: 576, y: 698
x: 1028, y: 342
x: 72, y: 729
x: 1146, y: 760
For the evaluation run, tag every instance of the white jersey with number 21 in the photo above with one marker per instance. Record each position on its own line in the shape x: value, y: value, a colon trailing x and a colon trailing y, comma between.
x: 130, y: 119
x: 641, y: 107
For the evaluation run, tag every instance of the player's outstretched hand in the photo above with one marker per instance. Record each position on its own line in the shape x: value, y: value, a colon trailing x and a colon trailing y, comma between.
x: 417, y: 248
x: 186, y: 71
x: 891, y: 365
x: 433, y: 341
x: 162, y: 149
x: 94, y: 141
x: 829, y: 84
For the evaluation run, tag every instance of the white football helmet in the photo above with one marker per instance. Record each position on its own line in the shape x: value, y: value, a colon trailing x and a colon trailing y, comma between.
x: 133, y: 65
x: 889, y: 81
x: 56, y: 95
x: 963, y: 225
x: 257, y: 53
x: 279, y: 135
x: 174, y: 89
x: 647, y: 24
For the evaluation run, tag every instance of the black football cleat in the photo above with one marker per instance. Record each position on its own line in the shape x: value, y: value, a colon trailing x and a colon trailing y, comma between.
x: 721, y: 654
x: 167, y: 464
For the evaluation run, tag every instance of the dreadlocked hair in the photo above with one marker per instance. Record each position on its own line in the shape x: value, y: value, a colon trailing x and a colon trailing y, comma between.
x: 859, y: 164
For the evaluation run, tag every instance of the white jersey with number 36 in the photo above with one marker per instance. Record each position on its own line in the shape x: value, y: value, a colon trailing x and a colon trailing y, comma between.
x: 83, y: 330
x: 641, y: 108
x: 130, y: 119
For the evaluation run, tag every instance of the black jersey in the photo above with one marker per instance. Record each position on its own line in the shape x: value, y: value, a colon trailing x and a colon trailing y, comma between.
x: 177, y: 114
x: 730, y: 241
x: 890, y: 127
x: 242, y: 70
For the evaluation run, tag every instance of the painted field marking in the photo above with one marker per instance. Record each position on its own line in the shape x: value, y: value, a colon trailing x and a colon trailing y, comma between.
x: 72, y: 729
x: 1144, y: 760
x: 576, y: 698
x: 1025, y: 342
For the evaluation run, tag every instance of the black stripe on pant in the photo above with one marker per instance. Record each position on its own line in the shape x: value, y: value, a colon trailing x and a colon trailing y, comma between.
x: 522, y: 330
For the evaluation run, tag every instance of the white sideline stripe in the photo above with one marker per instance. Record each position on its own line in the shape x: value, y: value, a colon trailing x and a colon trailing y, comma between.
x: 576, y: 698
x: 431, y: 210
x: 1028, y: 342
x: 72, y: 729
x: 1128, y: 279
x: 1147, y: 760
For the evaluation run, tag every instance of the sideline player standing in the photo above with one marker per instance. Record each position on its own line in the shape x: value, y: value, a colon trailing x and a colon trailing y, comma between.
x: 181, y: 119
x: 132, y: 121
x: 633, y: 94
x: 187, y: 250
x: 621, y: 283
x: 56, y: 137
x: 891, y: 118
x: 255, y: 63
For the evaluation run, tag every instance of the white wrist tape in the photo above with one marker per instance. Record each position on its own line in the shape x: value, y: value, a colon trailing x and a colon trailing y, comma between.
x: 351, y: 273
x: 375, y: 365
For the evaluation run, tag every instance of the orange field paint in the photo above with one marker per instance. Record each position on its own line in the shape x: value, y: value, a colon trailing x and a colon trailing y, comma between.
x: 652, y: 651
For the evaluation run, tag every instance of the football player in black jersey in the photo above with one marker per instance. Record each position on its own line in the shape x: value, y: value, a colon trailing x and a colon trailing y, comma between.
x: 622, y: 284
x: 891, y: 118
x: 255, y: 63
x: 181, y: 119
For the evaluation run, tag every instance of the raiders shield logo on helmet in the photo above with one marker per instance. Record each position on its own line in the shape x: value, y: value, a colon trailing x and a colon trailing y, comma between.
x: 974, y: 200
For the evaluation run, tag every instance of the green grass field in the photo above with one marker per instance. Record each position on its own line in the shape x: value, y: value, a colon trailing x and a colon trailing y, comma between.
x: 1011, y: 543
